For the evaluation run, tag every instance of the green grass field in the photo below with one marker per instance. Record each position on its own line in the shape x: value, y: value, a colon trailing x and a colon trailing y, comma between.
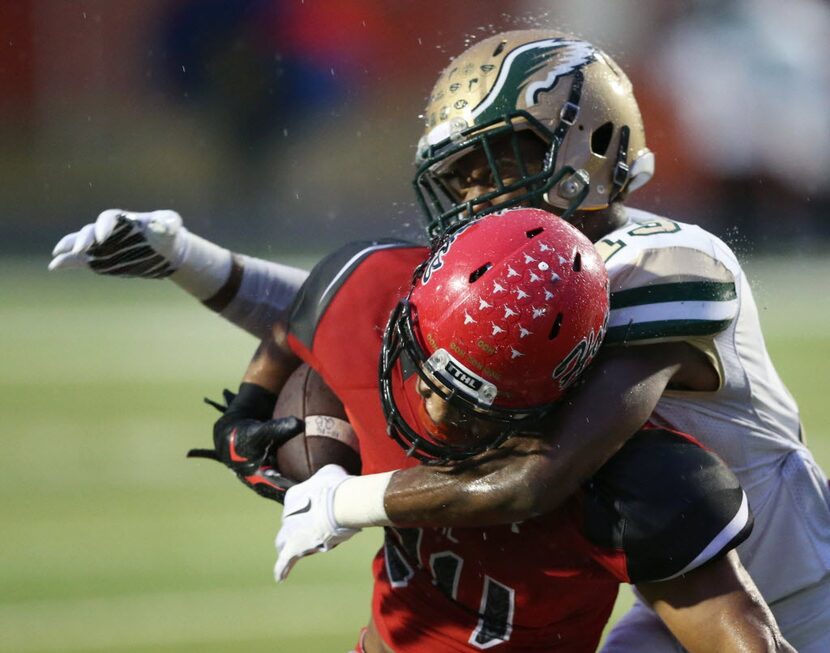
x: 113, y: 541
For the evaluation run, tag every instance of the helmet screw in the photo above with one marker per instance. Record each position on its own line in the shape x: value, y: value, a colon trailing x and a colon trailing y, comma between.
x: 573, y: 185
x: 488, y: 393
x: 439, y: 360
x: 457, y: 125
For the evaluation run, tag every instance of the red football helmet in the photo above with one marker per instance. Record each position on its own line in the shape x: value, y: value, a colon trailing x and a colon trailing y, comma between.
x: 505, y: 314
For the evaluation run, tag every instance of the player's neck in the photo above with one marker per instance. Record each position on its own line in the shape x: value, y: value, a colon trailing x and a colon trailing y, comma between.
x: 596, y: 224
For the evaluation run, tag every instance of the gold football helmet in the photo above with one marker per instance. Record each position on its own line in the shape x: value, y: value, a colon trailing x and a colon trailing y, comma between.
x: 566, y: 92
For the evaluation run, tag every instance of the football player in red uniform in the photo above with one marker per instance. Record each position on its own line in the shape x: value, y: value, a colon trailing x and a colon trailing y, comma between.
x: 502, y: 318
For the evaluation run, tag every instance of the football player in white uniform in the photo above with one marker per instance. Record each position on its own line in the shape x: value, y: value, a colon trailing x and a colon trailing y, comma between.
x: 541, y: 118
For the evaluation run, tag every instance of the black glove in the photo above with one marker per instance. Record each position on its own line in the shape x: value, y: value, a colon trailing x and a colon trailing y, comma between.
x: 245, y: 437
x: 267, y: 482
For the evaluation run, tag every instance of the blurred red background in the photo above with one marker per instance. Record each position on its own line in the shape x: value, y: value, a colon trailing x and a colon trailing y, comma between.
x: 294, y: 122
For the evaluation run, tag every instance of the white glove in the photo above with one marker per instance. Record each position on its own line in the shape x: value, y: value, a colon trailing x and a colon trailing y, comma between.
x: 150, y: 245
x: 308, y: 524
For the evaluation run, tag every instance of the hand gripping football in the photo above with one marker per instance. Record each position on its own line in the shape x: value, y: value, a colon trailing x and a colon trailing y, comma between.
x: 328, y: 436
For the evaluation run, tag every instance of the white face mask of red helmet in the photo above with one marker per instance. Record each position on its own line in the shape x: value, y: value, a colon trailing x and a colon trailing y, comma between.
x: 503, y: 317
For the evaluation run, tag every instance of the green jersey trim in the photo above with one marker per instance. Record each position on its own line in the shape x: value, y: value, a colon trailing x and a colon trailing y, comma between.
x: 664, y: 329
x: 683, y: 291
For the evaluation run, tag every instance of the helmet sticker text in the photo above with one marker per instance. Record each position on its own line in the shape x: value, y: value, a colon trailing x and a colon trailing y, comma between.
x: 574, y: 364
x: 436, y: 262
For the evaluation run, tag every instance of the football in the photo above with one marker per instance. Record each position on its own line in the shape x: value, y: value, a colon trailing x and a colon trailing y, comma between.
x: 328, y: 436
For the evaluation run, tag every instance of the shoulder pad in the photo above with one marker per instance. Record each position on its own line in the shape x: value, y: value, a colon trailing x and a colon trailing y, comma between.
x: 669, y: 505
x: 325, y: 279
x: 669, y: 280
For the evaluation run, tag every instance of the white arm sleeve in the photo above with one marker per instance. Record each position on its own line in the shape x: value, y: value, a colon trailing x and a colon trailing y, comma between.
x: 265, y: 294
x: 201, y: 267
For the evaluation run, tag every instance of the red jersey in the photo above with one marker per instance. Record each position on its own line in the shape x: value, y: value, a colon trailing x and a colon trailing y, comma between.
x: 541, y: 585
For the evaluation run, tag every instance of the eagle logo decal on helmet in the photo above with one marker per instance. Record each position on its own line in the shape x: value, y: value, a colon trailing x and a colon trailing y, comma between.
x: 523, y: 63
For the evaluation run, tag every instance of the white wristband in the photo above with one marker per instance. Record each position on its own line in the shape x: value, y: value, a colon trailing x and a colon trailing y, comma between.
x: 204, y: 266
x: 358, y: 501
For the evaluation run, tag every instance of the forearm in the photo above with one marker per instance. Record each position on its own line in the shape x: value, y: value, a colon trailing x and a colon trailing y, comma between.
x: 255, y: 295
x: 204, y: 268
x: 251, y: 293
x: 527, y: 482
x: 742, y: 628
x: 494, y: 492
x: 272, y: 363
x: 716, y: 609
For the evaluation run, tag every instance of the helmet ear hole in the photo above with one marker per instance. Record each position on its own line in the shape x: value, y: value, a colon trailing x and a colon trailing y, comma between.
x: 554, y: 330
x: 479, y: 272
x: 577, y: 262
x: 534, y: 232
x: 601, y: 138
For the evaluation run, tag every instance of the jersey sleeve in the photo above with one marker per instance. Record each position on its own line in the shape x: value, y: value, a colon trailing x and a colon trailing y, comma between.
x: 669, y: 281
x: 325, y: 279
x: 668, y: 504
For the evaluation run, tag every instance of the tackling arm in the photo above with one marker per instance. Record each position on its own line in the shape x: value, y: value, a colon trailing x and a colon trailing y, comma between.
x: 529, y: 475
x: 525, y: 477
x: 716, y: 607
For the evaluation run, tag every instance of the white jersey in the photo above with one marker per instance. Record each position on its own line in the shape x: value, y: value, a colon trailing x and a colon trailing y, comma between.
x: 672, y: 281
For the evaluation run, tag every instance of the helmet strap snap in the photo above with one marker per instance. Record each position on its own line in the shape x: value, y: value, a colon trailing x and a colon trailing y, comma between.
x: 572, y: 185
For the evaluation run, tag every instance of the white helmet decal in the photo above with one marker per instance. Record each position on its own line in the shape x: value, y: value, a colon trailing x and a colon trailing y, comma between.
x: 517, y: 68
